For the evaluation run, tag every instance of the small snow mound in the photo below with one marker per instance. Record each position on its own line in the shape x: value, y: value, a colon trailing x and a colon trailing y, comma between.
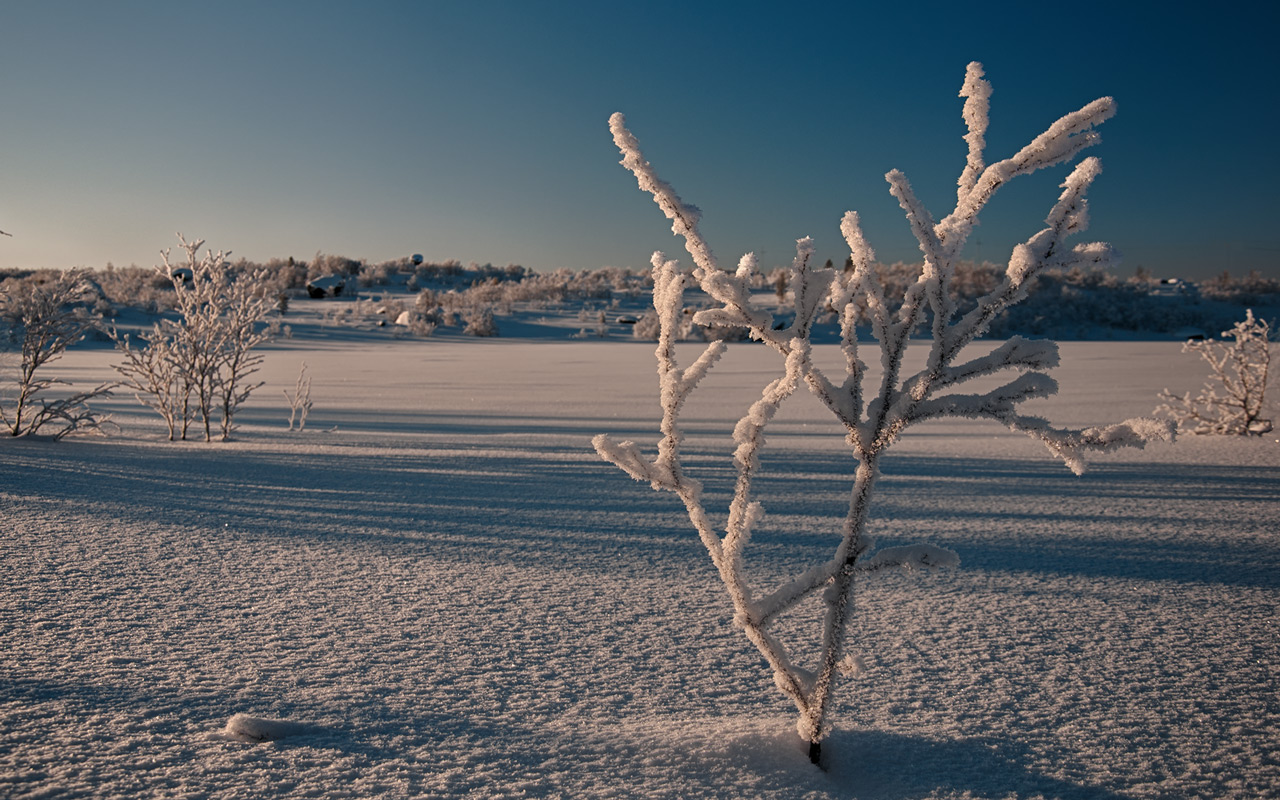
x: 244, y: 728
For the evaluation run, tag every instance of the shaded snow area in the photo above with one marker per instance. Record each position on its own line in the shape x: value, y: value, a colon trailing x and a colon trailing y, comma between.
x: 438, y: 590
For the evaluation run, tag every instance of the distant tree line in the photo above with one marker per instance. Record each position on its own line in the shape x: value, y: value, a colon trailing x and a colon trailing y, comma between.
x: 1067, y: 304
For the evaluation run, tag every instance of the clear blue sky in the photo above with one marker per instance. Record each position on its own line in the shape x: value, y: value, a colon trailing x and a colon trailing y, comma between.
x: 477, y: 130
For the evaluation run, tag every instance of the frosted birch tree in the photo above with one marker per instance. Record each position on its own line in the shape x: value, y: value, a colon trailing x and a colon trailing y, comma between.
x: 873, y: 417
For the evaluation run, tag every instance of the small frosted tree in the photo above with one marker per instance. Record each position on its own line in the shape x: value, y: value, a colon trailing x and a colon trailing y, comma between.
x: 873, y: 420
x: 45, y: 318
x: 196, y: 368
x: 1240, y: 370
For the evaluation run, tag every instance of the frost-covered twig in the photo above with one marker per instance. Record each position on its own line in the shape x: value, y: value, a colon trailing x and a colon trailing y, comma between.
x: 299, y: 399
x: 873, y: 420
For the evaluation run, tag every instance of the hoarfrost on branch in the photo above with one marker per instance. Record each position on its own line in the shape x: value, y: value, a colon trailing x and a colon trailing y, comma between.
x: 873, y: 417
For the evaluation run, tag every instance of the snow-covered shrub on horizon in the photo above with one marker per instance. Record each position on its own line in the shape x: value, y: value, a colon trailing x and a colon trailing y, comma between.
x: 1074, y: 303
x: 44, y: 318
x: 325, y: 264
x: 873, y: 421
x: 1252, y: 289
x: 1241, y: 370
x: 198, y: 366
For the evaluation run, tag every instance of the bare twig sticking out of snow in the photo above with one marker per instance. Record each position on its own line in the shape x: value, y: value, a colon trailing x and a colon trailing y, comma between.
x: 873, y: 421
x: 300, y: 399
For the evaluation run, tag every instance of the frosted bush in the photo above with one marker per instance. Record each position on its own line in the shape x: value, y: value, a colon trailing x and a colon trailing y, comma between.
x: 1240, y: 371
x: 422, y: 326
x: 648, y: 328
x: 377, y: 275
x: 197, y: 368
x: 873, y: 420
x: 416, y: 322
x: 479, y: 321
x: 136, y: 287
x: 324, y: 265
x: 44, y: 317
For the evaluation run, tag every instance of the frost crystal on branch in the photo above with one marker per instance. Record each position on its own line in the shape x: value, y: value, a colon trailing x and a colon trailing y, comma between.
x: 873, y: 417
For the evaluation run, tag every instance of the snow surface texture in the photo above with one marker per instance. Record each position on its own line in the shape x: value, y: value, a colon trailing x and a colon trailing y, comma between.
x: 438, y: 590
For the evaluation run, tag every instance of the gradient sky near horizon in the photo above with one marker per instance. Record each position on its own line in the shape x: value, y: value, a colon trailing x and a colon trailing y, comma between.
x: 478, y: 130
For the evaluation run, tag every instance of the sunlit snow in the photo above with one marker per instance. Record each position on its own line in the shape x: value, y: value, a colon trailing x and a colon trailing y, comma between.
x: 439, y: 589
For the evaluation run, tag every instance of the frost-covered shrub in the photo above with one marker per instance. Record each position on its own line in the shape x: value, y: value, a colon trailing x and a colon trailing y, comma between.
x: 872, y: 421
x: 1252, y: 289
x: 479, y: 321
x: 134, y: 287
x: 648, y: 328
x: 198, y: 366
x: 378, y: 274
x: 1240, y: 370
x: 596, y: 324
x: 416, y: 322
x: 423, y: 326
x: 44, y: 317
x: 324, y: 265
x: 284, y: 274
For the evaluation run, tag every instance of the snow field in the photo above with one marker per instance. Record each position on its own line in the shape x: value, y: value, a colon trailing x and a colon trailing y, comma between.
x: 438, y: 590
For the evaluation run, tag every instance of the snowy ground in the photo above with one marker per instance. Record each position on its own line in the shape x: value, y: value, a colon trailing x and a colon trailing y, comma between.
x: 438, y: 590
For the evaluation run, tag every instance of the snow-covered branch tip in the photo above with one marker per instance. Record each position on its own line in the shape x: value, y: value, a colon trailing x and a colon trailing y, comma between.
x: 684, y: 217
x: 1072, y: 446
x: 627, y: 457
x: 977, y: 94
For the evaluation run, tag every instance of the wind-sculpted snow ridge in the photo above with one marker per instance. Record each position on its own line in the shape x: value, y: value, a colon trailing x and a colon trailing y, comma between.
x: 872, y: 421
